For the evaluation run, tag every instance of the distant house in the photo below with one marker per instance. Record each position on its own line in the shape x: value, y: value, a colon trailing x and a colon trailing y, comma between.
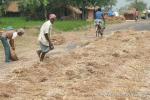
x: 69, y: 13
x: 12, y: 9
x: 130, y: 14
x: 91, y: 12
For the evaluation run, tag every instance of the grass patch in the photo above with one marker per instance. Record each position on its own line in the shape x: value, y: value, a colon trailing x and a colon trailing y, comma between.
x: 18, y: 22
x: 70, y: 25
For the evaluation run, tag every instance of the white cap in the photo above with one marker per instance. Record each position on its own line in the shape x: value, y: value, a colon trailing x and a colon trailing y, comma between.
x: 52, y: 16
x: 21, y: 30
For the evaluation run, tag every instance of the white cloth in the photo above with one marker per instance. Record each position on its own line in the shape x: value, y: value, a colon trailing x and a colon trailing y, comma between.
x: 116, y: 13
x: 15, y: 34
x: 45, y: 29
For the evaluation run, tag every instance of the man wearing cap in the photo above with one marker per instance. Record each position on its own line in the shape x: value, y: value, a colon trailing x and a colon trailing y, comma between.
x: 44, y: 37
x: 7, y: 39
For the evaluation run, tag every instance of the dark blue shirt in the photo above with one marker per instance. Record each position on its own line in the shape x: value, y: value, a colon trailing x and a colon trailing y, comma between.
x: 99, y: 15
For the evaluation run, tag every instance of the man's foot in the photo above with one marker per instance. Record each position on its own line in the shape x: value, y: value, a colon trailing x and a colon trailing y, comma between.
x: 8, y: 61
x: 42, y: 56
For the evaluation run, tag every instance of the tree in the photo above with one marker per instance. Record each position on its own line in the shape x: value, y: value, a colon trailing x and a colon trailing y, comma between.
x: 3, y: 5
x: 0, y: 7
x: 140, y: 5
x: 104, y: 3
x: 32, y: 7
x: 112, y: 2
x: 44, y: 3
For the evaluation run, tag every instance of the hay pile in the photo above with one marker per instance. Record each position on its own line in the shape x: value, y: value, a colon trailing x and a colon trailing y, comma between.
x: 113, y: 68
x: 58, y: 39
x: 7, y: 91
x: 112, y: 20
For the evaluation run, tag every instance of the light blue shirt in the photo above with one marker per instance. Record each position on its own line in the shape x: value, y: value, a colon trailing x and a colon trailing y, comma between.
x: 99, y: 15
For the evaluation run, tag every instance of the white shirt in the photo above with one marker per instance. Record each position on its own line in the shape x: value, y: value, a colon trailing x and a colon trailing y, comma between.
x: 45, y: 29
x: 15, y: 34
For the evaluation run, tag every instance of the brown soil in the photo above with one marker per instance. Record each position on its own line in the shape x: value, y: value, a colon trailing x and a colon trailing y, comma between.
x: 58, y: 40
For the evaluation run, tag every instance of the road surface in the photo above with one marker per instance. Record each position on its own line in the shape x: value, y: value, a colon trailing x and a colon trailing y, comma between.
x: 143, y: 25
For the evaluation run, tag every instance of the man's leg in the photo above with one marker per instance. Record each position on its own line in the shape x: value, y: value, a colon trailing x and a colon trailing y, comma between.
x: 43, y: 51
x: 39, y: 53
x: 103, y: 27
x: 42, y: 56
x: 6, y: 48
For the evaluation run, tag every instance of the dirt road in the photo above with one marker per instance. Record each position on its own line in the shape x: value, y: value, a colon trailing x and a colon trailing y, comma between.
x: 142, y: 25
x: 82, y: 68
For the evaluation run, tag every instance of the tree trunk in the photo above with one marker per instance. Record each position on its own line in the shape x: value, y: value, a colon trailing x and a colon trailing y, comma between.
x: 45, y: 12
x: 83, y: 11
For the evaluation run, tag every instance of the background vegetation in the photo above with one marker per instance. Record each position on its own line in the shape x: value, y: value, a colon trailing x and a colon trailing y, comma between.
x: 17, y: 22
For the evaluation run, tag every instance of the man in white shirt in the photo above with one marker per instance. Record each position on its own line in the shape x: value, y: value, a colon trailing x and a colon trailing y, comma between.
x: 44, y: 37
x: 7, y: 39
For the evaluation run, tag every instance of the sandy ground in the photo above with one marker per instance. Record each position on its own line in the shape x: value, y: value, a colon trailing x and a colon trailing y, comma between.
x: 83, y: 67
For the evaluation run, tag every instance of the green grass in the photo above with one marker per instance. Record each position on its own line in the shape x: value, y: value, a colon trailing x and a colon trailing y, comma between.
x: 18, y: 22
x: 70, y: 25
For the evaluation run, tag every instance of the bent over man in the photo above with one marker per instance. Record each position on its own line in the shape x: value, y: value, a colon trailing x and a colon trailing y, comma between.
x: 7, y: 39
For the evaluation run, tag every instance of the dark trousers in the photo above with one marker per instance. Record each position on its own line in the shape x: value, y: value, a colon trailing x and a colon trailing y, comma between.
x: 6, y: 48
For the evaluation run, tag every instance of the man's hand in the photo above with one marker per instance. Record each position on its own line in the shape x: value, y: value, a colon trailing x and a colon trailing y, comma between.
x: 51, y: 46
x: 13, y: 48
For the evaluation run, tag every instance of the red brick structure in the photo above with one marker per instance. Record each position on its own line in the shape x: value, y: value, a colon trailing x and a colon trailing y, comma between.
x: 130, y: 14
x: 91, y: 12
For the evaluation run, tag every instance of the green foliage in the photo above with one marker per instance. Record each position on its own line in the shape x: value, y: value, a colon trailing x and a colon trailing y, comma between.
x: 44, y: 2
x: 103, y: 2
x: 0, y: 10
x: 3, y: 6
x: 29, y: 7
x: 37, y: 9
x: 18, y: 22
x: 140, y: 5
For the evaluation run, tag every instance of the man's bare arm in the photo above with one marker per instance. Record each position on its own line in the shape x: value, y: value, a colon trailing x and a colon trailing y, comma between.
x: 47, y: 38
x: 12, y: 44
x: 50, y: 43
